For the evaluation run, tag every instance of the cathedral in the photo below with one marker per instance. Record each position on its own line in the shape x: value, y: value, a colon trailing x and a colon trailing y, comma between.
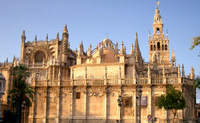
x: 74, y: 86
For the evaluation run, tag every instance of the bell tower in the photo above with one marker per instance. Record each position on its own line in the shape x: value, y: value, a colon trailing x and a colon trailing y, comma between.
x: 158, y: 44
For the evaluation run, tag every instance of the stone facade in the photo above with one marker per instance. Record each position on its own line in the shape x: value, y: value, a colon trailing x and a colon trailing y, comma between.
x: 79, y: 87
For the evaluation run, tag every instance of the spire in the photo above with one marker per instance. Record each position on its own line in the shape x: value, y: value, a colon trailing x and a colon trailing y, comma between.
x: 116, y: 48
x: 183, y: 71
x: 65, y: 36
x: 47, y: 37
x: 173, y: 55
x: 192, y: 73
x: 65, y: 29
x: 57, y: 37
x: 179, y: 72
x: 136, y: 49
x: 132, y: 49
x: 89, y: 50
x: 122, y: 49
x: 35, y: 38
x: 23, y: 37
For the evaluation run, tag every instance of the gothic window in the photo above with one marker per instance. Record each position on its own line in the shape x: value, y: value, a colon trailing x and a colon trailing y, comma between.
x: 154, y: 47
x: 127, y: 101
x: 158, y: 45
x: 162, y: 47
x: 39, y: 56
x: 78, y: 95
x: 151, y: 47
x: 165, y: 46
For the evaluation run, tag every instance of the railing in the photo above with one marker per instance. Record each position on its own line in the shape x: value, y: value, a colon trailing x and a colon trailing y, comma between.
x: 43, y: 81
x: 142, y: 81
x: 157, y: 81
x: 95, y: 82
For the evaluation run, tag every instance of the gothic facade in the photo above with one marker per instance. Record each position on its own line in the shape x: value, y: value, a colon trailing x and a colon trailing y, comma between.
x: 79, y: 87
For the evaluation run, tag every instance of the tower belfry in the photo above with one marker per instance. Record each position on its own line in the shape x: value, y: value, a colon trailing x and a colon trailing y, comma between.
x: 158, y: 45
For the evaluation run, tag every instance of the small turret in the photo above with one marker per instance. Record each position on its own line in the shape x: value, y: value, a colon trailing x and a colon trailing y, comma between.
x: 65, y: 45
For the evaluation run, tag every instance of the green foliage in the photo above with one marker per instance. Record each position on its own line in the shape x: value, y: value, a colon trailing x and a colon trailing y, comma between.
x: 195, y: 42
x: 197, y: 82
x: 173, y: 100
x: 21, y: 91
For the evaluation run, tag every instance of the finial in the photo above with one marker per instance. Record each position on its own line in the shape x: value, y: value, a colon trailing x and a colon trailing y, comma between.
x: 122, y: 48
x: 183, y: 71
x: 179, y: 72
x: 23, y: 37
x: 57, y: 36
x: 47, y: 37
x: 131, y: 48
x: 106, y: 35
x: 65, y: 29
x: 116, y: 48
x: 157, y: 5
x: 35, y: 37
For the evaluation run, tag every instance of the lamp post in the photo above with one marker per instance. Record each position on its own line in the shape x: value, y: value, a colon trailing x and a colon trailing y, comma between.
x: 120, y: 101
x: 2, y: 88
x: 139, y: 89
x: 23, y: 110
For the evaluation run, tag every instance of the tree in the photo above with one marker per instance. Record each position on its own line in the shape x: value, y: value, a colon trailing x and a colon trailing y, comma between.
x: 197, y: 82
x: 195, y: 42
x: 21, y: 90
x: 172, y: 100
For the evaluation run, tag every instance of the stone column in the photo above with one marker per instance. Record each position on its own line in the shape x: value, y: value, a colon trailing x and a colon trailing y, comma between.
x: 149, y: 98
x: 58, y: 105
x: 105, y: 106
x: 85, y: 105
x: 71, y: 110
x: 134, y: 105
x: 45, y: 105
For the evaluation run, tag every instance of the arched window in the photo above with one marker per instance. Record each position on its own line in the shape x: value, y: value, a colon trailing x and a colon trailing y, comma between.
x: 162, y: 47
x: 39, y: 56
x: 158, y: 30
x: 158, y: 45
x: 165, y: 46
x: 154, y: 47
x: 151, y: 47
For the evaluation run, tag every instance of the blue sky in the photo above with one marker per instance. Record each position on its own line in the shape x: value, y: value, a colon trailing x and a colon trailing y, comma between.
x: 90, y: 20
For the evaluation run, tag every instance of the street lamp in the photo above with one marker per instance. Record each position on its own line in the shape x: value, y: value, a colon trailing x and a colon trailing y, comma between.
x: 2, y: 88
x: 23, y: 110
x: 139, y: 89
x: 120, y: 101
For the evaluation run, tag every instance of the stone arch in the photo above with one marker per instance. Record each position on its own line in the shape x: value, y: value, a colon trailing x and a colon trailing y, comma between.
x: 158, y: 45
x: 39, y: 55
